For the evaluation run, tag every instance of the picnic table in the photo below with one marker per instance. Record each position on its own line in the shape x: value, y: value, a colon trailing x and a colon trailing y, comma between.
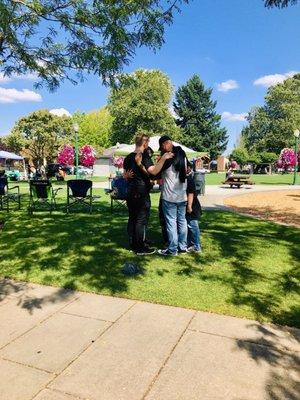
x: 238, y: 181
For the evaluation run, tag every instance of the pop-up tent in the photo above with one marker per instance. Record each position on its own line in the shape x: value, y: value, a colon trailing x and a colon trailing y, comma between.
x: 124, y: 149
x: 6, y: 155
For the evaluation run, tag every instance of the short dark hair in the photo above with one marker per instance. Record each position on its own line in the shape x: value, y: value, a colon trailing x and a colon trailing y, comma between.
x: 163, y: 139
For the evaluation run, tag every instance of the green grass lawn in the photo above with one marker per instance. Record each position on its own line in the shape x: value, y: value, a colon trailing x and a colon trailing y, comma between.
x: 248, y: 268
x: 275, y: 179
x: 211, y: 179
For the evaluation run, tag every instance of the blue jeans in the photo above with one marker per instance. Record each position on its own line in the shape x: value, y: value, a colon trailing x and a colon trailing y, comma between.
x: 176, y: 225
x: 193, y: 238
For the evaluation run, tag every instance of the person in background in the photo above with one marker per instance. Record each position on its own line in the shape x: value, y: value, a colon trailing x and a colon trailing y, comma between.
x: 229, y: 173
x: 193, y: 213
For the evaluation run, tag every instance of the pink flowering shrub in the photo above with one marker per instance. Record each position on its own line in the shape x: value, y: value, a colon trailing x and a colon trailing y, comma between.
x: 87, y: 156
x: 287, y: 159
x: 233, y: 164
x: 66, y: 155
x: 118, y: 162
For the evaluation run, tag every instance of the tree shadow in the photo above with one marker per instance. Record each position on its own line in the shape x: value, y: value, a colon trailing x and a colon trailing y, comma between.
x: 251, y: 288
x: 283, y: 380
x: 287, y: 216
x: 80, y: 251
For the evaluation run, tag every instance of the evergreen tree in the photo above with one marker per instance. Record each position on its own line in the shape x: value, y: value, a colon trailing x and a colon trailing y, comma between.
x: 198, y: 120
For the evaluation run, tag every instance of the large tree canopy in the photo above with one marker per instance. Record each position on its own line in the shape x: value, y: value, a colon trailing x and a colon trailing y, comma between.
x: 271, y: 126
x: 62, y: 39
x: 95, y: 128
x: 198, y: 120
x: 40, y: 134
x: 141, y: 102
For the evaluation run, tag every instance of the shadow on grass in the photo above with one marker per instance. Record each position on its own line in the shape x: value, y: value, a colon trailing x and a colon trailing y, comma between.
x: 86, y: 252
x: 237, y: 241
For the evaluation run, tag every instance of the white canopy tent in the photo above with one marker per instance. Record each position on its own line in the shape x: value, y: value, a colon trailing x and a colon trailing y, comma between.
x: 104, y: 164
x: 6, y: 155
x: 123, y: 149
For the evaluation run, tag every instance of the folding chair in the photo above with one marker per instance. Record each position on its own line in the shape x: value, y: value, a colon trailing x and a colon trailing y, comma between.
x: 7, y: 194
x: 80, y: 191
x: 118, y: 192
x: 42, y: 193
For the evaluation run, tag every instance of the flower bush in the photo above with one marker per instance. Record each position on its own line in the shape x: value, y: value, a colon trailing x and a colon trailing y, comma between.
x: 118, y: 162
x: 287, y: 159
x: 87, y: 156
x: 233, y: 164
x: 66, y: 155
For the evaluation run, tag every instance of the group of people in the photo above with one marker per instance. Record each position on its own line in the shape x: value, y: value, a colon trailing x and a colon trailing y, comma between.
x: 179, y: 205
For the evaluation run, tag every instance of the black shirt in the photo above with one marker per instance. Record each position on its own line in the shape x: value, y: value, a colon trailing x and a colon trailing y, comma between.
x: 140, y: 183
x: 196, y: 206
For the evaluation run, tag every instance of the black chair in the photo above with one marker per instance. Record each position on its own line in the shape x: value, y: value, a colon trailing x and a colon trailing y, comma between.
x: 8, y: 194
x: 80, y: 191
x: 42, y: 194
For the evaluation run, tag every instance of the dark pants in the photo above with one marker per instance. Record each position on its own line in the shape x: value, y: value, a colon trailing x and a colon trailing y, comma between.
x: 139, y: 211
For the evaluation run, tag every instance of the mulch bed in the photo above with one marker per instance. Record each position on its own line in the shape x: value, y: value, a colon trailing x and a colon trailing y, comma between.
x: 283, y: 207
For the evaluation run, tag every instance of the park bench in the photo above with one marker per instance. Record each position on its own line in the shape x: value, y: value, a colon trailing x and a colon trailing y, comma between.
x: 238, y: 181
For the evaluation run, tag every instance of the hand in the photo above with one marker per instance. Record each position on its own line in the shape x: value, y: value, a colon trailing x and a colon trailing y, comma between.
x: 138, y: 159
x: 167, y: 156
x: 128, y: 174
x: 189, y: 209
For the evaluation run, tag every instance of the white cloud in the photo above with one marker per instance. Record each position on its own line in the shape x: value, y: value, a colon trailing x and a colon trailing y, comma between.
x: 271, y: 80
x: 24, y: 77
x: 60, y: 112
x: 14, y: 95
x: 4, y: 79
x: 228, y: 116
x: 227, y: 85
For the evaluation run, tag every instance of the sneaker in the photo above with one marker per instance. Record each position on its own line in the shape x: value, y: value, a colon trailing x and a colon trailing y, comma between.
x: 145, y: 251
x: 166, y: 252
x: 192, y: 249
x: 182, y: 251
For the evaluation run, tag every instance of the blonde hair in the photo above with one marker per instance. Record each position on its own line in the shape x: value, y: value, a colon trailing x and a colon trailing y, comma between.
x: 139, y: 139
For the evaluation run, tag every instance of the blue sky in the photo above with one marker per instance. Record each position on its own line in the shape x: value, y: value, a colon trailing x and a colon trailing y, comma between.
x: 238, y: 41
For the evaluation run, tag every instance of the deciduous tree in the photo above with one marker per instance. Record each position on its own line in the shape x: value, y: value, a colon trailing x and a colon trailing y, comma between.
x: 140, y: 102
x: 63, y: 39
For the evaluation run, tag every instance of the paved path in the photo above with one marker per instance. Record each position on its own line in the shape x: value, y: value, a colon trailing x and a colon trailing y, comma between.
x: 215, y: 194
x: 61, y: 345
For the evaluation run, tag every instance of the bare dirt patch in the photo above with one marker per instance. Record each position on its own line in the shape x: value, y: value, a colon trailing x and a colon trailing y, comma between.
x: 275, y: 206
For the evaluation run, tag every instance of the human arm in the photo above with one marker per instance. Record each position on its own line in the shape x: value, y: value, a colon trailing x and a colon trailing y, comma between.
x: 191, y: 188
x: 190, y: 199
x: 155, y: 169
x: 138, y: 160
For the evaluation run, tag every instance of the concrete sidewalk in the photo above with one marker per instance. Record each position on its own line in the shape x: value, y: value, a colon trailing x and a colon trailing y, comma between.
x: 215, y: 194
x: 62, y: 345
